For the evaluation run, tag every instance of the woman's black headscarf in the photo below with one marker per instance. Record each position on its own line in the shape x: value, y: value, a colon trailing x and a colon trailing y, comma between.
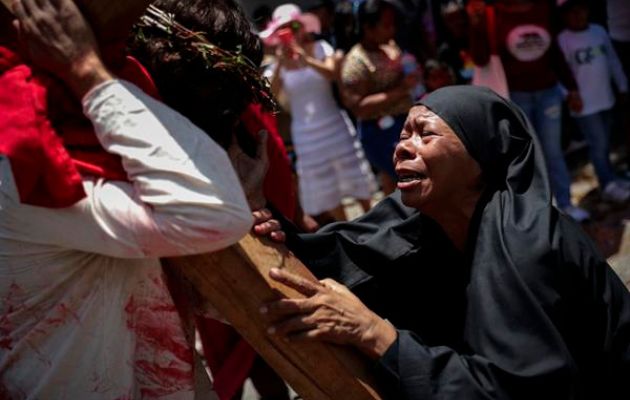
x: 497, y: 135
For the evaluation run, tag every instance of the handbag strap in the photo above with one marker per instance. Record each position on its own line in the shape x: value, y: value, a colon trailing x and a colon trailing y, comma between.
x: 492, y: 29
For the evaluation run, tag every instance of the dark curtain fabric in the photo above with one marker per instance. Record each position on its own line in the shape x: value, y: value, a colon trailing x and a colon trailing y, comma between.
x: 532, y: 309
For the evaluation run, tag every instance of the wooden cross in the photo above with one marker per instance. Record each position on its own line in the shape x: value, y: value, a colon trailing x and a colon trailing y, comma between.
x: 236, y: 283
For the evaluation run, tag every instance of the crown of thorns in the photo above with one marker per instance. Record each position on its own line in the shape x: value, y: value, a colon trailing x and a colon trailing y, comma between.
x: 213, y: 56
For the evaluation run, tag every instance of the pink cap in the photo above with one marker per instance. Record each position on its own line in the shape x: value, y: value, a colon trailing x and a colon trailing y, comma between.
x: 285, y: 14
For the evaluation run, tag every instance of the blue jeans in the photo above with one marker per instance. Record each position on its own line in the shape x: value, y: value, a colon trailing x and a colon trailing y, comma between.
x: 544, y: 110
x: 596, y: 131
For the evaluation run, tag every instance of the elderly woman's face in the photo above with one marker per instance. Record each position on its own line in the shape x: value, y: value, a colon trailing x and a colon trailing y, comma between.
x: 434, y: 169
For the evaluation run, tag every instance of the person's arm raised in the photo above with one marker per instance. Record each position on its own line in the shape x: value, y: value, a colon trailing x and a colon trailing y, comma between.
x: 183, y: 195
x: 56, y: 37
x: 326, y: 66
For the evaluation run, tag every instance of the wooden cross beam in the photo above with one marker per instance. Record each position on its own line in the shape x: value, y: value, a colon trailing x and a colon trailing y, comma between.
x: 236, y: 282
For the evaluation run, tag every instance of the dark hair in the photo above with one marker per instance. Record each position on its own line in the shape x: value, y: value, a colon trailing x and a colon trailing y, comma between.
x: 370, y: 12
x: 212, y: 98
x: 262, y: 15
x: 344, y: 26
x: 7, y: 31
x: 571, y: 4
x: 433, y: 65
x: 311, y: 5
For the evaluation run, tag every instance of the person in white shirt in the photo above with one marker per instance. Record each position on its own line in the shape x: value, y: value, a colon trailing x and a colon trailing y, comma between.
x: 85, y: 312
x: 592, y: 58
x: 330, y: 163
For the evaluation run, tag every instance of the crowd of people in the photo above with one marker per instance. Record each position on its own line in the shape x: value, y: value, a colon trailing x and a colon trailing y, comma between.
x: 554, y: 62
x: 113, y: 157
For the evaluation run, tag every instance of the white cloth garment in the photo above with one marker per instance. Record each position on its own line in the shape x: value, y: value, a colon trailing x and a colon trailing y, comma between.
x: 594, y: 63
x: 84, y: 310
x: 330, y: 159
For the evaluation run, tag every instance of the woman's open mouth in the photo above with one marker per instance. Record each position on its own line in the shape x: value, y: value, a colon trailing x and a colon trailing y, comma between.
x: 409, y: 179
x: 406, y: 177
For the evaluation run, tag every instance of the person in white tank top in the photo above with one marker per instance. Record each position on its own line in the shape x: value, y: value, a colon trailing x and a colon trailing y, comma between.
x: 330, y: 161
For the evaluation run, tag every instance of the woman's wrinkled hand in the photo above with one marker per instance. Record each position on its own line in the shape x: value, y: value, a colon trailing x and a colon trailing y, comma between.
x: 56, y: 37
x: 330, y: 313
x: 265, y: 225
x: 306, y: 223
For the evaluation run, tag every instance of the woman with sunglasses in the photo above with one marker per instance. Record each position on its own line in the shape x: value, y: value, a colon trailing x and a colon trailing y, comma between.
x: 330, y: 161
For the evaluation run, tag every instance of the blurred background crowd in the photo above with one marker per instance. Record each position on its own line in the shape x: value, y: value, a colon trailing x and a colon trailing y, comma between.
x: 347, y: 72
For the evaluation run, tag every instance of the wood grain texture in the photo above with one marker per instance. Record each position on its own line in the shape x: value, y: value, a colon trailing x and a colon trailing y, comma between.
x: 236, y: 282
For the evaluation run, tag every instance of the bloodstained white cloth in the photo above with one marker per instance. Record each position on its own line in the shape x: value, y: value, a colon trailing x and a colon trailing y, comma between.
x: 84, y: 309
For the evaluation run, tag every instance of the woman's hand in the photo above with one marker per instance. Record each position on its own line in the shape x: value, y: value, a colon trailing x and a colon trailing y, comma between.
x: 306, y: 223
x: 57, y: 38
x: 286, y: 53
x: 281, y: 54
x: 251, y: 171
x: 330, y: 313
x: 265, y: 225
x: 300, y: 54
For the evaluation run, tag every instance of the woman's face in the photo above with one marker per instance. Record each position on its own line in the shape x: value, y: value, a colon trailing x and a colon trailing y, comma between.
x: 434, y: 168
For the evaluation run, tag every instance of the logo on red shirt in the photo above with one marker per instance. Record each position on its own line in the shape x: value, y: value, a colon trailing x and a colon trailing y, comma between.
x: 528, y: 42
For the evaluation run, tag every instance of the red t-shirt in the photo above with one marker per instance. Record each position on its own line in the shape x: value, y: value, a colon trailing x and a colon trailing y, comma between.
x: 528, y: 49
